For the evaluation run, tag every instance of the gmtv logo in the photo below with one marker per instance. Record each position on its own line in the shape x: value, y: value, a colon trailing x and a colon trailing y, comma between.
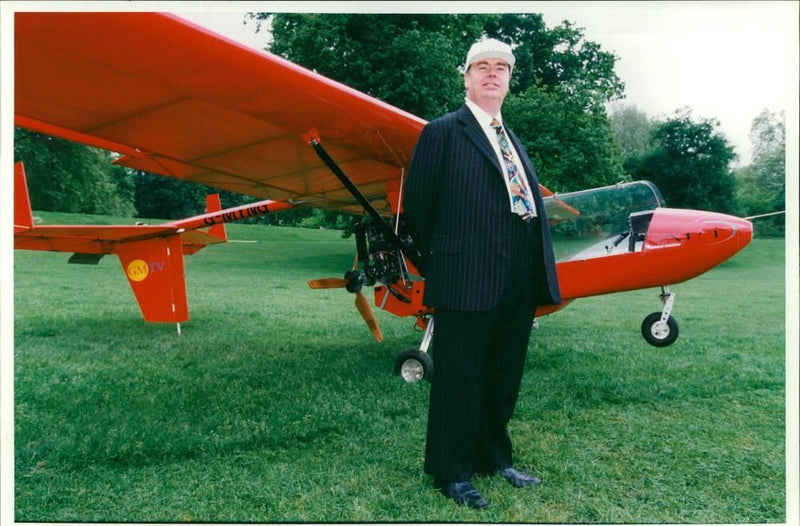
x: 139, y: 269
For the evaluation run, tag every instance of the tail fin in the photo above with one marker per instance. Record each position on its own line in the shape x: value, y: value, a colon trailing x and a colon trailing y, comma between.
x: 154, y: 268
x: 23, y: 218
x: 213, y: 204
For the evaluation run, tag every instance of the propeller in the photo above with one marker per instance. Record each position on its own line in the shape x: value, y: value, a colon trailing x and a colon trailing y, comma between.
x: 363, y: 307
x: 328, y: 283
x: 353, y: 281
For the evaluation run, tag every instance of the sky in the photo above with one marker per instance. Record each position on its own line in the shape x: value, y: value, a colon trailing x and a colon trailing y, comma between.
x: 727, y: 61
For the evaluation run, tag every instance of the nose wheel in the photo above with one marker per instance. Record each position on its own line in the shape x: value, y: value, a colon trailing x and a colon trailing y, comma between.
x: 660, y: 329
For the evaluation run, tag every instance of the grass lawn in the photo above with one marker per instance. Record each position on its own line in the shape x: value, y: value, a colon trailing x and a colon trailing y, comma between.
x: 275, y: 405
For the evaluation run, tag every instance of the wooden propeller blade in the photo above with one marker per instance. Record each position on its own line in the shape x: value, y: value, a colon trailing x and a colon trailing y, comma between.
x: 328, y: 283
x: 362, y: 304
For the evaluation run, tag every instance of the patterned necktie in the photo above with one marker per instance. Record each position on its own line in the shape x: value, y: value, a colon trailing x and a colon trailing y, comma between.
x: 521, y: 202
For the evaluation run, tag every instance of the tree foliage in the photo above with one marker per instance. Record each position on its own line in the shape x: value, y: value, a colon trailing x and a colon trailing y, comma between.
x: 762, y: 184
x: 768, y: 133
x: 562, y: 83
x: 690, y: 162
x: 389, y: 56
x: 572, y: 149
x: 558, y: 59
x: 68, y: 177
x: 167, y: 198
x: 631, y: 128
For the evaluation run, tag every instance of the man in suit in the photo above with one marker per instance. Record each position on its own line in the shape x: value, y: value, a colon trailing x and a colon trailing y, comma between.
x: 474, y: 209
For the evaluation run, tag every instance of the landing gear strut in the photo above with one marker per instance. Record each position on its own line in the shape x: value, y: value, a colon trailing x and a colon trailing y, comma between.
x: 414, y: 365
x: 659, y: 328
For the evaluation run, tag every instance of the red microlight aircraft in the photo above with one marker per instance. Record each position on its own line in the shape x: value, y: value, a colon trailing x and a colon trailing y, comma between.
x: 177, y: 100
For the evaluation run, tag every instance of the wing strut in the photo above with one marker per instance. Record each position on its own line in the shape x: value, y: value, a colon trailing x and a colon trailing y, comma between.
x: 406, y: 245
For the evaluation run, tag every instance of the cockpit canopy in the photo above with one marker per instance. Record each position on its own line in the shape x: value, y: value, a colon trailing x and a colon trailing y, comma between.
x: 601, y: 221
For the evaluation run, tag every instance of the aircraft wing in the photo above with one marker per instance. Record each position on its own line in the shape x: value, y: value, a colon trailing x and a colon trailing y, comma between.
x: 177, y: 100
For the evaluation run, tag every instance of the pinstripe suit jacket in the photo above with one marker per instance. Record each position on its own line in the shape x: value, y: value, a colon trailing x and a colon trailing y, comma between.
x: 457, y: 207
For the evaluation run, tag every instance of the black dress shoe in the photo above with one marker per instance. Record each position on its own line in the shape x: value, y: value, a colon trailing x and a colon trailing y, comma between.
x: 518, y: 479
x: 464, y: 493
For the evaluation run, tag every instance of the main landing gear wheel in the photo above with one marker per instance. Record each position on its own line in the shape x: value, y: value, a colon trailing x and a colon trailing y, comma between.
x: 414, y: 365
x: 658, y: 333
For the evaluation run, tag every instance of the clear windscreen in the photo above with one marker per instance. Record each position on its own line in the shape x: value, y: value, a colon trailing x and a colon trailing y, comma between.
x: 601, y: 221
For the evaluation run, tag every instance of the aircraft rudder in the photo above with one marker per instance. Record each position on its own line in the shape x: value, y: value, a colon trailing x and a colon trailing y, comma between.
x: 23, y: 216
x: 213, y: 204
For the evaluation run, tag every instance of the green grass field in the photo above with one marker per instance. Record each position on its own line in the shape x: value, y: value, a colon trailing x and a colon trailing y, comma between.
x: 275, y: 405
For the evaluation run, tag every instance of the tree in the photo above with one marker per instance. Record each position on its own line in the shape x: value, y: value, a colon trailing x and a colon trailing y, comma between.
x: 385, y: 56
x: 762, y: 184
x: 160, y: 197
x: 557, y: 103
x: 558, y: 58
x: 631, y: 128
x: 689, y: 162
x: 768, y: 133
x: 67, y: 177
x: 572, y: 149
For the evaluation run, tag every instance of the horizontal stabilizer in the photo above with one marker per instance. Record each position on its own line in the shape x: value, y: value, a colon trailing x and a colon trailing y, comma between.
x: 194, y: 240
x: 85, y: 259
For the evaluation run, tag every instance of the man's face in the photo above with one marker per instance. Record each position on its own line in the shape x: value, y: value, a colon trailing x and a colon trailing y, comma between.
x: 487, y: 80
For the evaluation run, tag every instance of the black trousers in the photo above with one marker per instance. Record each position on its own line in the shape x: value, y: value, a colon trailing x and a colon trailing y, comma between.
x: 478, y: 364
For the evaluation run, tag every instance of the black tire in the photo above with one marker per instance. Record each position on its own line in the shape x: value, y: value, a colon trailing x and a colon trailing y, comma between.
x: 659, y: 338
x: 414, y: 365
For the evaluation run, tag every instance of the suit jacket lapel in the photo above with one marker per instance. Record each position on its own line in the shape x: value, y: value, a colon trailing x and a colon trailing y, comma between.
x: 478, y: 137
